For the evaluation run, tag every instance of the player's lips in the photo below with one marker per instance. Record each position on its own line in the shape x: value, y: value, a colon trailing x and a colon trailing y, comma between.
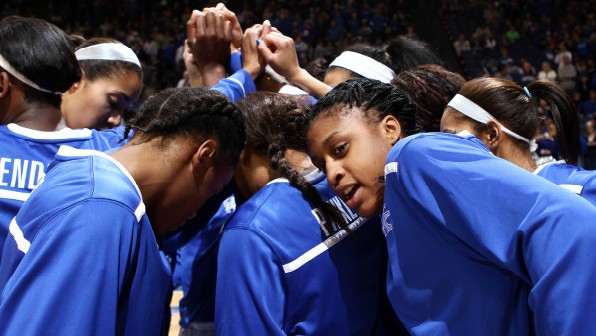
x: 347, y: 191
x: 353, y: 201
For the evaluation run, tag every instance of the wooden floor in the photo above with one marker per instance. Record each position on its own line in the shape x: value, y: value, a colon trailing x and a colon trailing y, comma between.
x: 174, y: 326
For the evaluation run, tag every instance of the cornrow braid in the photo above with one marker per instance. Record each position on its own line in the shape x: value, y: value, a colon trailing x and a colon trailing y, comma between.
x: 272, y: 126
x: 194, y: 113
x: 127, y: 130
x: 374, y: 99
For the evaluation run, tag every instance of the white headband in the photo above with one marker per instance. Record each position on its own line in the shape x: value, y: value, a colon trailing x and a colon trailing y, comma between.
x: 364, y: 66
x: 6, y: 66
x: 108, y: 52
x: 472, y: 110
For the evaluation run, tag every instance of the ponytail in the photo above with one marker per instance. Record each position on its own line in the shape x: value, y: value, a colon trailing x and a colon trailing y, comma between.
x: 564, y: 116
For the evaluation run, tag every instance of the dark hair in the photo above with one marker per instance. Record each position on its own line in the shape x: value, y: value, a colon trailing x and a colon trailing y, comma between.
x: 194, y: 113
x: 43, y: 53
x: 375, y: 99
x: 374, y: 52
x: 431, y: 87
x: 273, y: 124
x: 509, y: 104
x: 317, y: 68
x: 399, y: 54
x: 76, y: 40
x: 95, y: 69
x: 407, y: 53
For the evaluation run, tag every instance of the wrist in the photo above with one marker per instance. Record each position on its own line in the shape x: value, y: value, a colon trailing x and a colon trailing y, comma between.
x: 212, y: 73
x: 297, y: 76
x: 254, y: 70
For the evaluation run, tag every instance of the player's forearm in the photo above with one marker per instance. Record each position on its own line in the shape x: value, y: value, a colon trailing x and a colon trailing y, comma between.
x: 308, y: 83
x: 212, y: 73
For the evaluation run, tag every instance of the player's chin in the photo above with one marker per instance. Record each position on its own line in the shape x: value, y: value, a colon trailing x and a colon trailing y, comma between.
x: 370, y: 208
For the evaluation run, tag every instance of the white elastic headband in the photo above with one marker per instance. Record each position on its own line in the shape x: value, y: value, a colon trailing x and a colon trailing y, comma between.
x: 364, y: 66
x: 8, y: 68
x: 292, y: 90
x: 274, y: 75
x: 108, y: 52
x: 472, y: 110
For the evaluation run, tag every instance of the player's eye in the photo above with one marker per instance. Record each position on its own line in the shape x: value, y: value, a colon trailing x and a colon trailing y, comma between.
x: 340, y: 149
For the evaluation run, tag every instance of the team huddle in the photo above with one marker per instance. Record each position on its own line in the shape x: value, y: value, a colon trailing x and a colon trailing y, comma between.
x: 390, y: 197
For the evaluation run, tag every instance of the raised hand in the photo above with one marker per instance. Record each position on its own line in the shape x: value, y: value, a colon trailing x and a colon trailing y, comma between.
x: 252, y: 61
x: 280, y: 53
x: 236, y: 29
x: 209, y: 37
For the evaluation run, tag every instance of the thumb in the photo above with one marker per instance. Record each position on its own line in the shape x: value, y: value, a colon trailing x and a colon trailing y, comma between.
x: 264, y: 50
x: 266, y: 27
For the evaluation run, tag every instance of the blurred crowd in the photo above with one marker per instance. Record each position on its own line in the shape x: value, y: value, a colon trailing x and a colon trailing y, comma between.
x: 520, y: 41
x: 156, y: 29
x: 528, y: 40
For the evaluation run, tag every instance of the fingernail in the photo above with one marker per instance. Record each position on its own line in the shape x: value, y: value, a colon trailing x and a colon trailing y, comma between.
x: 266, y: 22
x: 258, y: 40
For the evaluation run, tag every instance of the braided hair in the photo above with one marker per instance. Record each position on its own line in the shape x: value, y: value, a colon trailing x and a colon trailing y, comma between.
x: 273, y: 123
x: 374, y: 99
x: 192, y: 113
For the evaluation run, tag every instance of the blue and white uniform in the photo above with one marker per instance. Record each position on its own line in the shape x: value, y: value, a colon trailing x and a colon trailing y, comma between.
x: 88, y: 261
x: 24, y: 157
x: 281, y: 272
x: 479, y: 246
x: 196, y: 266
x: 575, y: 179
x: 236, y: 86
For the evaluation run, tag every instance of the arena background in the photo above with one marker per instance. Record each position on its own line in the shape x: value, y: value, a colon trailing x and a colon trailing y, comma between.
x: 510, y: 39
x: 528, y: 30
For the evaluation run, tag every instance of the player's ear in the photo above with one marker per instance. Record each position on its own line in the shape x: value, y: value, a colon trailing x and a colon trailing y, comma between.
x: 245, y: 156
x: 4, y: 83
x: 78, y: 84
x: 74, y: 87
x: 203, y: 159
x: 492, y: 135
x: 205, y: 153
x: 391, y: 129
